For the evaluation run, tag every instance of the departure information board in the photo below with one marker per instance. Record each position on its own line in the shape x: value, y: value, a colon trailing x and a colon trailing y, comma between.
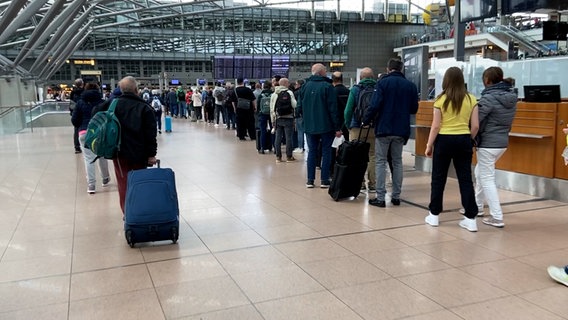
x: 260, y: 67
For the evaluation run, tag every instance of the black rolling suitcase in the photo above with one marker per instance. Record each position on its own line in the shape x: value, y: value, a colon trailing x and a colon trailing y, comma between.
x: 350, y: 167
x: 267, y: 143
x: 151, y: 206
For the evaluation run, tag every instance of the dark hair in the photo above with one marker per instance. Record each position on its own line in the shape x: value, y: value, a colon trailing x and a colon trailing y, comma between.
x: 493, y: 75
x: 277, y: 77
x: 92, y: 86
x: 453, y: 87
x: 240, y: 80
x: 395, y: 64
x: 267, y: 85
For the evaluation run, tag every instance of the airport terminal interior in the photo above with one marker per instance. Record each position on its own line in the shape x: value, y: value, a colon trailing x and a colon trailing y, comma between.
x: 254, y: 242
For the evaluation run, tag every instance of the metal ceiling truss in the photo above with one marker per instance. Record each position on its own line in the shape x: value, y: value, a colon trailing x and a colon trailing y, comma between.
x: 49, y: 31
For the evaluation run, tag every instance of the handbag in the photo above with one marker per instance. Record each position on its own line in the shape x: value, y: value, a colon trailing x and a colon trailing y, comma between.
x: 242, y: 103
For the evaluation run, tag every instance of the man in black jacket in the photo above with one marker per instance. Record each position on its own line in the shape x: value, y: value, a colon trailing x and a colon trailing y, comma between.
x: 138, y: 145
x: 74, y: 97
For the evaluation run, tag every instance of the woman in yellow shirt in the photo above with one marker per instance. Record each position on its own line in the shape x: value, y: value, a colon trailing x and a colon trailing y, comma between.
x: 455, y: 124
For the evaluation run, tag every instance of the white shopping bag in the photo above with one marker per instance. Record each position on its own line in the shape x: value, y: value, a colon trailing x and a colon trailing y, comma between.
x: 337, y: 141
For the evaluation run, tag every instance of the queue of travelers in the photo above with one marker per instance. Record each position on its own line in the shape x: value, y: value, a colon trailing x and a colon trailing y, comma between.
x: 461, y: 125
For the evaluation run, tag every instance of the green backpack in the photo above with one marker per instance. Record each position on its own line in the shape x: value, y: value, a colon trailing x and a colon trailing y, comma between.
x: 103, y: 133
x: 265, y: 103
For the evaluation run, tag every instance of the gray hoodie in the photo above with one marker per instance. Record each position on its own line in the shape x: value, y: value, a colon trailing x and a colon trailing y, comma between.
x: 497, y: 107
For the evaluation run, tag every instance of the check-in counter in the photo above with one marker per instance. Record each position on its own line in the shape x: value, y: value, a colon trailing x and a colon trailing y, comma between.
x: 536, y: 140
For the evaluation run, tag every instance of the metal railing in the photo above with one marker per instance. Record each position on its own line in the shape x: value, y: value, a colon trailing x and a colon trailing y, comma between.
x: 14, y: 119
x: 47, y: 107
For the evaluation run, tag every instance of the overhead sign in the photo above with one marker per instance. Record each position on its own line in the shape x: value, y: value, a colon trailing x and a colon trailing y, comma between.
x: 336, y: 64
x: 88, y: 61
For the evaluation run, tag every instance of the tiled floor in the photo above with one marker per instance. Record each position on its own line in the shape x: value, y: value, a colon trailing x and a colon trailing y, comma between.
x: 256, y: 244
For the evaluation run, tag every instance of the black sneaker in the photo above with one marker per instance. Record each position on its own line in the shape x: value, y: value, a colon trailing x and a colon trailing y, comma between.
x: 310, y: 184
x: 395, y: 202
x: 325, y: 184
x: 377, y: 203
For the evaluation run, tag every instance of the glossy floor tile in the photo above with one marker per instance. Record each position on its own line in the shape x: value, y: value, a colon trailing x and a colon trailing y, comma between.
x: 256, y: 244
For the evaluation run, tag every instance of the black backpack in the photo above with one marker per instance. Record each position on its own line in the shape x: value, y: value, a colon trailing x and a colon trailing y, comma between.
x: 363, y: 102
x: 283, y: 105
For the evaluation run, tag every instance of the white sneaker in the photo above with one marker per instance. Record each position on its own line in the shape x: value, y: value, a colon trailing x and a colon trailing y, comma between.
x: 558, y: 274
x: 469, y: 224
x: 480, y: 212
x: 298, y: 150
x: 432, y: 220
x: 91, y: 189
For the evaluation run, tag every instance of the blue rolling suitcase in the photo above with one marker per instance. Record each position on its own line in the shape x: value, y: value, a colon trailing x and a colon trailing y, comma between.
x: 168, y: 123
x: 151, y: 206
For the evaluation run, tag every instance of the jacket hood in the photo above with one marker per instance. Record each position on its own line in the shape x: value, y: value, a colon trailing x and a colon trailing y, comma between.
x: 279, y: 89
x: 91, y: 95
x: 319, y: 78
x: 368, y: 82
x: 503, y: 93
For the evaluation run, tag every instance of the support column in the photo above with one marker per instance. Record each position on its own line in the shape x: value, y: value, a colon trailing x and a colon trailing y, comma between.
x: 459, y: 35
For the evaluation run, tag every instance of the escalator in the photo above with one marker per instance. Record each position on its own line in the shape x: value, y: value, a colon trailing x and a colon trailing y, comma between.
x: 519, y: 41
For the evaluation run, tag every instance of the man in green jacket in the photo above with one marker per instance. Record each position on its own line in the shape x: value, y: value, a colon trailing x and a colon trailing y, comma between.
x: 365, y: 86
x: 318, y: 106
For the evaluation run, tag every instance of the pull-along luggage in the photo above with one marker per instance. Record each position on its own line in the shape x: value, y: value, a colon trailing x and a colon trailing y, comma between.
x: 151, y: 206
x: 168, y: 123
x: 350, y: 166
x: 267, y: 143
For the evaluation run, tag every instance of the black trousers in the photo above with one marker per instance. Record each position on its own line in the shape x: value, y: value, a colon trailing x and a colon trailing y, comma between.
x: 459, y: 149
x: 245, y: 123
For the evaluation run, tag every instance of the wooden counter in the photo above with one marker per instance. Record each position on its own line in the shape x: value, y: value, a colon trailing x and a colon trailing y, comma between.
x: 536, y: 139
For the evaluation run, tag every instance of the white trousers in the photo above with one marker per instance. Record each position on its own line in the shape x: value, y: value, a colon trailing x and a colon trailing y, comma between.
x: 485, y: 187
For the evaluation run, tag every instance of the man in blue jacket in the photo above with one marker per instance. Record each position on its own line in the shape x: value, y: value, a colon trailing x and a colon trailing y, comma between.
x: 394, y: 100
x: 318, y: 106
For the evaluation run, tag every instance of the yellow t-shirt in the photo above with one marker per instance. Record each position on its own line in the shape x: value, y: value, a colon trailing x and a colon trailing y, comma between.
x: 456, y: 123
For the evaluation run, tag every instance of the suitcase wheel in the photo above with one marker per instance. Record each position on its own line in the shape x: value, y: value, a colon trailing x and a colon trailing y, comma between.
x: 129, y: 238
x: 175, y: 234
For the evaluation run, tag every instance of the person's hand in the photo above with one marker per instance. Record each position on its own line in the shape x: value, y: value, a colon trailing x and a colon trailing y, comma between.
x: 152, y: 161
x: 565, y: 130
x: 428, y: 151
x: 338, y: 134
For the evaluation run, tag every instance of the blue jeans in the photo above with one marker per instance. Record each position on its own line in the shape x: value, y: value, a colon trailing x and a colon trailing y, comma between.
x: 300, y: 129
x: 264, y: 125
x: 286, y: 126
x: 382, y: 145
x: 218, y: 113
x: 174, y: 109
x: 182, y: 108
x: 459, y: 149
x: 314, y: 140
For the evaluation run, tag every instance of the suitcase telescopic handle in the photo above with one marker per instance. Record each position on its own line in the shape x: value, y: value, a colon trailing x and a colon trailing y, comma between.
x: 158, y: 163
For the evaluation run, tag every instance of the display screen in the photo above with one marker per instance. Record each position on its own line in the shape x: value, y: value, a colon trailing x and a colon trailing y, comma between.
x: 471, y: 10
x: 513, y: 6
x: 175, y: 82
x: 544, y: 93
x: 264, y: 67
